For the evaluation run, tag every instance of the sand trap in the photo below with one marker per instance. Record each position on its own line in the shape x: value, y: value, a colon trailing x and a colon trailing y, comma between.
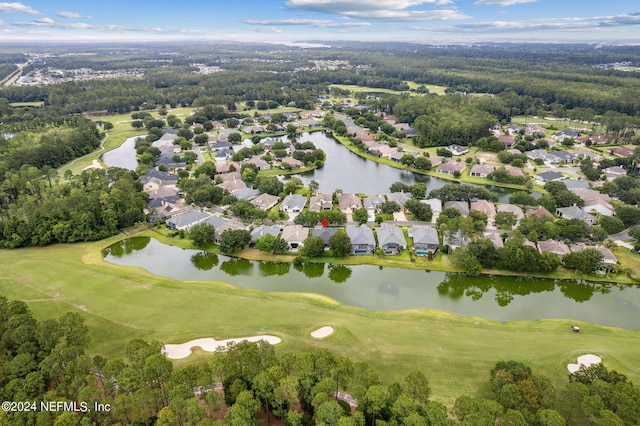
x: 210, y: 344
x: 586, y: 360
x: 95, y: 164
x: 322, y: 332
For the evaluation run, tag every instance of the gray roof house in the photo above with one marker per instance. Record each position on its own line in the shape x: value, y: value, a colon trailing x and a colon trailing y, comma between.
x: 548, y: 176
x: 511, y: 208
x: 565, y: 156
x: 391, y: 239
x: 435, y: 203
x: 553, y: 246
x: 399, y: 197
x: 245, y: 194
x: 293, y: 203
x: 450, y: 167
x: 461, y: 206
x: 295, y: 235
x: 362, y: 239
x: 455, y: 241
x: 324, y: 233
x: 575, y: 184
x: 261, y: 231
x: 481, y: 170
x: 456, y: 149
x: 187, y: 219
x: 485, y: 207
x: 374, y: 203
x: 265, y: 201
x: 575, y: 212
x: 425, y: 240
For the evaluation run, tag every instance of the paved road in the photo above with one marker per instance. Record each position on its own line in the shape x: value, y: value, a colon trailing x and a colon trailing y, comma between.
x: 199, y: 156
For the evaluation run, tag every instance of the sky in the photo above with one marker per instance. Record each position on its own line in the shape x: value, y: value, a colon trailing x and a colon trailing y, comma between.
x: 420, y: 21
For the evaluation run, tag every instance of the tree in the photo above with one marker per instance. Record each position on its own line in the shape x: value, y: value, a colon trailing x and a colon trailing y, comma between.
x: 360, y: 215
x: 233, y: 240
x: 313, y: 247
x: 629, y: 215
x: 420, y: 211
x: 417, y: 386
x: 390, y: 207
x: 586, y: 261
x: 313, y: 186
x: 505, y: 220
x: 611, y: 224
x: 340, y: 244
x: 202, y: 234
x: 234, y: 137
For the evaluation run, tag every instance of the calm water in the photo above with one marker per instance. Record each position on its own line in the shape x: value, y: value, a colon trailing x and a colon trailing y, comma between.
x: 353, y: 174
x: 499, y: 298
x: 124, y: 156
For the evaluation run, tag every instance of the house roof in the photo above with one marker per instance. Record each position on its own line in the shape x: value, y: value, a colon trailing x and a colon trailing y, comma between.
x: 511, y: 208
x: 373, y: 202
x: 399, y: 197
x: 495, y: 239
x: 573, y: 184
x: 188, y: 219
x: 232, y: 185
x: 324, y: 233
x: 320, y: 201
x: 246, y: 194
x: 550, y: 175
x: 349, y: 201
x: 540, y: 211
x: 484, y: 206
x: 553, y: 246
x: 451, y: 166
x: 361, y: 235
x: 292, y: 162
x: 265, y: 201
x: 435, y: 203
x: 461, y: 206
x: 231, y: 176
x: 481, y: 169
x: 165, y: 177
x: 295, y: 233
x: 390, y: 234
x: 293, y: 201
x: 456, y: 149
x: 263, y: 230
x: 424, y: 235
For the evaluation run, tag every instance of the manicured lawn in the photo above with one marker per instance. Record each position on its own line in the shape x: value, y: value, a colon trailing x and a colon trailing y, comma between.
x: 456, y: 353
x: 27, y: 104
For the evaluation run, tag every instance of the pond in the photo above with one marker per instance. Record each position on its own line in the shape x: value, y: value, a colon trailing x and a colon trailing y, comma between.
x: 354, y: 174
x: 124, y: 156
x: 371, y: 287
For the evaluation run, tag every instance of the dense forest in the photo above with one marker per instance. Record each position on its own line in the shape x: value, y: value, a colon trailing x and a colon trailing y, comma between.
x: 251, y: 383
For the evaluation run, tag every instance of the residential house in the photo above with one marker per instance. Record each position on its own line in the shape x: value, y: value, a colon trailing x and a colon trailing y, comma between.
x: 254, y: 129
x: 512, y: 129
x: 163, y: 179
x: 540, y: 211
x: 396, y: 156
x: 373, y: 204
x: 553, y: 246
x: 227, y: 168
x: 434, y: 203
x: 259, y: 163
x: 614, y: 172
x: 609, y: 260
x: 534, y: 128
x: 436, y: 160
x: 508, y: 141
x: 495, y: 239
x: 456, y: 149
x: 320, y: 202
x: 548, y: 176
x: 451, y: 167
x: 171, y: 161
x: 575, y: 184
x: 325, y: 234
x: 598, y: 139
x: 265, y: 201
x: 515, y: 171
x: 246, y: 194
x: 153, y: 184
x: 349, y: 202
x: 382, y: 150
x: 227, y: 225
x: 222, y: 155
x: 455, y: 241
x: 425, y: 240
x: 217, y: 146
x: 565, y: 156
x: 622, y: 152
x: 232, y: 185
x: 399, y: 197
x: 295, y: 164
x: 362, y: 239
x: 186, y: 220
x: 514, y: 151
x: 310, y: 123
x: 565, y: 134
x: 481, y: 170
x: 486, y: 207
x: 295, y: 235
x: 293, y: 203
x: 587, y: 153
x: 535, y: 154
x: 461, y: 206
x: 229, y: 177
x: 575, y: 212
x: 511, y: 208
x: 261, y: 231
x: 391, y: 239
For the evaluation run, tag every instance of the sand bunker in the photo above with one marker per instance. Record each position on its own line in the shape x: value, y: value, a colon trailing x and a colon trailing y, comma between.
x: 209, y: 344
x: 586, y: 360
x: 95, y: 164
x: 322, y: 332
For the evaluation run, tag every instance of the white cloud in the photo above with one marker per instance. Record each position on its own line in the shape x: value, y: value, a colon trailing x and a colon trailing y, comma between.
x: 17, y: 7
x: 502, y: 2
x: 272, y: 30
x: 317, y: 23
x: 388, y: 10
x: 45, y: 21
x: 70, y: 15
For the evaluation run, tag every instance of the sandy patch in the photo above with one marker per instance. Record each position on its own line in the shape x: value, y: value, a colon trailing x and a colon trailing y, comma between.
x: 322, y: 332
x: 586, y: 360
x: 95, y: 164
x: 209, y: 344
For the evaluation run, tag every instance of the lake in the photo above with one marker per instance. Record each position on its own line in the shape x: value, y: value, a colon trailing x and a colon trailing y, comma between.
x: 371, y: 287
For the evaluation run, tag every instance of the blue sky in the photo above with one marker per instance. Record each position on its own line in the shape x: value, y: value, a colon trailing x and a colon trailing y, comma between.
x: 423, y: 21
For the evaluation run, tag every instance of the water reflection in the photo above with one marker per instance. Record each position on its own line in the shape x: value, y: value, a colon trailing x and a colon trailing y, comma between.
x: 204, y: 261
x: 367, y: 286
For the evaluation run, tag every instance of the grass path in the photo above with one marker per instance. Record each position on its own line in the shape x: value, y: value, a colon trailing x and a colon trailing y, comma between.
x: 456, y: 353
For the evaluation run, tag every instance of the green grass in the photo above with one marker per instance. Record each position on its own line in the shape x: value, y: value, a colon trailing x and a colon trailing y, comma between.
x: 27, y: 104
x: 122, y: 303
x: 558, y: 124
